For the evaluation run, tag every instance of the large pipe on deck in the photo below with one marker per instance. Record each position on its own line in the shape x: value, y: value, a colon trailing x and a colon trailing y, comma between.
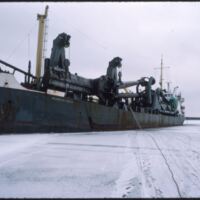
x: 128, y: 84
x: 126, y: 95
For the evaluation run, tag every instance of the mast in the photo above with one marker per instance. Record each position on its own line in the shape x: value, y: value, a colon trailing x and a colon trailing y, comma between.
x: 42, y: 20
x: 161, y: 72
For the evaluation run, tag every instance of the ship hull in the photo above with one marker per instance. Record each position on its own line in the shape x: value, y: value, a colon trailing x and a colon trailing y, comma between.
x: 27, y: 111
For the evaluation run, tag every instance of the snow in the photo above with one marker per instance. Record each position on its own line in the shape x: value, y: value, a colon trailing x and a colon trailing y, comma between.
x: 8, y: 80
x: 162, y: 162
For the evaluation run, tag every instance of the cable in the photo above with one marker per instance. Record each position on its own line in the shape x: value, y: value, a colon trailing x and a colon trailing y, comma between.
x: 20, y: 43
x: 158, y: 147
x: 88, y: 37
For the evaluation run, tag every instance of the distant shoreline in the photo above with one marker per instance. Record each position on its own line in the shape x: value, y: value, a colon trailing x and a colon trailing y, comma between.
x: 193, y: 118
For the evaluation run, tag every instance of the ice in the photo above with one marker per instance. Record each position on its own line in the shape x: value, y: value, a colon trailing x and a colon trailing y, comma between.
x: 162, y: 162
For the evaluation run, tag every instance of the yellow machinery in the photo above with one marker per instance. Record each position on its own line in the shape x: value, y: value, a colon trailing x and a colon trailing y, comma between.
x: 42, y: 20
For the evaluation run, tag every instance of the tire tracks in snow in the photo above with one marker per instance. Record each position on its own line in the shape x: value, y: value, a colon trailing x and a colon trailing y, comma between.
x: 158, y: 147
x: 129, y: 184
x: 167, y: 164
x: 137, y: 179
x: 162, y: 154
x: 144, y: 172
x: 130, y: 180
x: 187, y: 166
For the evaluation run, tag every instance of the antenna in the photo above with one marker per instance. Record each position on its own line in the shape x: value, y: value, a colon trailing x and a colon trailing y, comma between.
x: 175, y: 89
x: 168, y: 86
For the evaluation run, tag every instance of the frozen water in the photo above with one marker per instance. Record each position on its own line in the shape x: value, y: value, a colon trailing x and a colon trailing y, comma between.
x: 162, y: 162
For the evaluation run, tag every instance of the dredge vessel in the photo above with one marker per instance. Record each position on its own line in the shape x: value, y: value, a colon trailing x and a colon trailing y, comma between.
x: 59, y: 101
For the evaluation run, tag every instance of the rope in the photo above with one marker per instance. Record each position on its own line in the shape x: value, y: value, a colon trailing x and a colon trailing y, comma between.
x: 104, y: 47
x: 20, y: 42
x: 162, y: 154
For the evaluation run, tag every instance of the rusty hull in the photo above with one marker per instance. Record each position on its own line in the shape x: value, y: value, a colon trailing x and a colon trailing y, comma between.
x: 25, y: 111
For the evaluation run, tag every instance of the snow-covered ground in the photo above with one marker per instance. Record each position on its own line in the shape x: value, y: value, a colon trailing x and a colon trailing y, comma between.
x: 161, y: 162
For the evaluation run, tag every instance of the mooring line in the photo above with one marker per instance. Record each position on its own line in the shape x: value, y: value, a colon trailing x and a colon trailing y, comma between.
x: 166, y: 162
x: 138, y: 124
x: 158, y: 147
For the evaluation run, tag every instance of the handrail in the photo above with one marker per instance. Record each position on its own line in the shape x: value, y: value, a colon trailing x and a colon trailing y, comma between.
x: 16, y: 69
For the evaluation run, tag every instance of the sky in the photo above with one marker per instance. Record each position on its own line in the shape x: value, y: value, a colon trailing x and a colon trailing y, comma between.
x: 138, y: 32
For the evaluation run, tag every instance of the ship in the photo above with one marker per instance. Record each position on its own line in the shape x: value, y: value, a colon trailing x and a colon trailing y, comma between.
x: 59, y: 101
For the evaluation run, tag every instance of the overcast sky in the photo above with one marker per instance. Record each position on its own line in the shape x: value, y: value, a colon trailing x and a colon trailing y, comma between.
x: 138, y: 32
